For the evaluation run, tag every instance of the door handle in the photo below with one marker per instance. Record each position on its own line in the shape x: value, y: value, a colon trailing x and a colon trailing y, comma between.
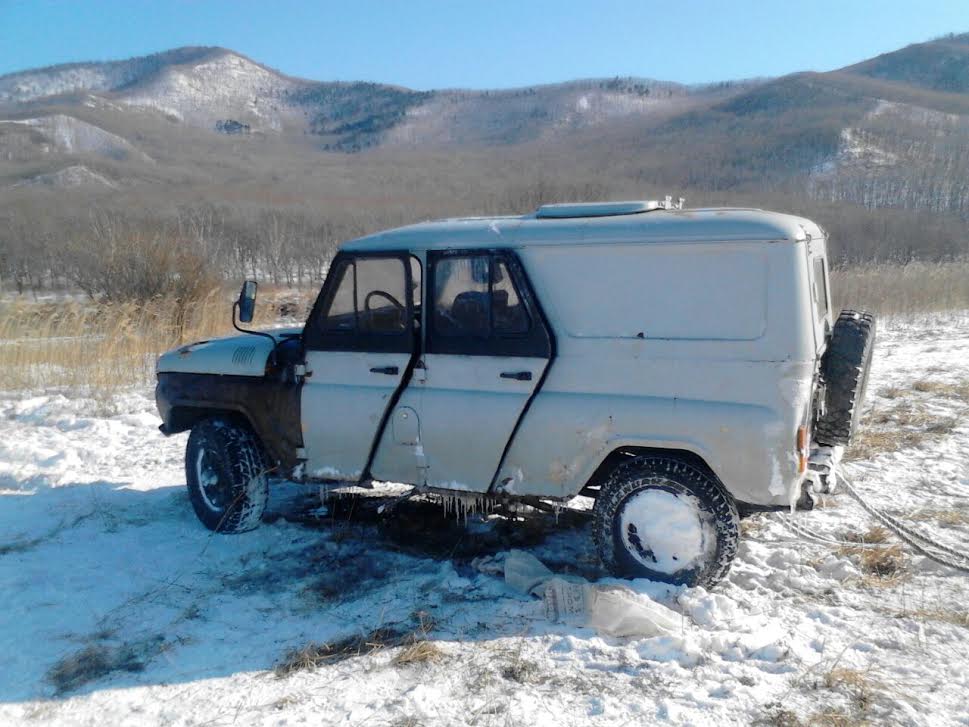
x: 517, y: 375
x: 389, y: 370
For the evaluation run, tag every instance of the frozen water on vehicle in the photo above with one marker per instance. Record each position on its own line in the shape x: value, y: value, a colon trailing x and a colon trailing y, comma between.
x: 107, y: 578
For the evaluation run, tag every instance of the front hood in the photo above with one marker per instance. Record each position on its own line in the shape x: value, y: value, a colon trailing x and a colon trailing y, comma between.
x: 243, y: 355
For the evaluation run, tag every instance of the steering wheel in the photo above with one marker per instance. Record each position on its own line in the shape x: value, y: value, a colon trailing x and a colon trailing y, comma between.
x: 382, y: 294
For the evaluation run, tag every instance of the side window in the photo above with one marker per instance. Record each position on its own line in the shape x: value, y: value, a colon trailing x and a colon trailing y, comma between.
x: 369, y: 297
x: 368, y: 308
x: 461, y: 298
x: 820, y: 287
x: 342, y: 314
x: 381, y: 295
x: 478, y: 308
x: 508, y: 311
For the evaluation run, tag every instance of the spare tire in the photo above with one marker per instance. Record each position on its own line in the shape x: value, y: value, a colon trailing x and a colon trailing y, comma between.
x: 844, y: 371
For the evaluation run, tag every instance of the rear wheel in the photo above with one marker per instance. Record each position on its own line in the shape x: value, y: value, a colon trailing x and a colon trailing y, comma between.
x: 664, y: 519
x: 225, y: 469
x: 844, y: 369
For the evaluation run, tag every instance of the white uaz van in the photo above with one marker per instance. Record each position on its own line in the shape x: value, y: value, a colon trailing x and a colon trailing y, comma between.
x: 675, y: 364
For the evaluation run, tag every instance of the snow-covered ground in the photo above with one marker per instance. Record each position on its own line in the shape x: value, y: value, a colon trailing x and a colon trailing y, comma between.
x: 117, y: 607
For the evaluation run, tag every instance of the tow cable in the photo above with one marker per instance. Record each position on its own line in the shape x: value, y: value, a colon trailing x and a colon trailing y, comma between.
x: 918, y: 541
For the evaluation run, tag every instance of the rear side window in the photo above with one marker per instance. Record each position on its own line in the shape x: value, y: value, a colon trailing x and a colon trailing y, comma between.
x: 820, y: 287
x: 480, y: 305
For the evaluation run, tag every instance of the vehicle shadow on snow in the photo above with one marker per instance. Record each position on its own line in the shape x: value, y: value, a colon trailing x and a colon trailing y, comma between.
x: 136, y: 592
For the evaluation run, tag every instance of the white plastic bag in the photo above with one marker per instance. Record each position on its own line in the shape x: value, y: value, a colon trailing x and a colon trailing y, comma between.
x: 526, y: 573
x: 611, y: 610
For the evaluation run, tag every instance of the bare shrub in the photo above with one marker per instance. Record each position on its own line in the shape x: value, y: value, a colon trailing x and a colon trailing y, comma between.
x: 121, y: 260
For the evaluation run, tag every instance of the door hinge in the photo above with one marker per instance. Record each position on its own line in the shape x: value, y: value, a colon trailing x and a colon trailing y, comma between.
x: 301, y: 372
x: 420, y: 371
x: 301, y: 453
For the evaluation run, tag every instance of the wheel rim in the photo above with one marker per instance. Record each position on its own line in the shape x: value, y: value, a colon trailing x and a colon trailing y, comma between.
x: 665, y: 531
x: 214, y: 492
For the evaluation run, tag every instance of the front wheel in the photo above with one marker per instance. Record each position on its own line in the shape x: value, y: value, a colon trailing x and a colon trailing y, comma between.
x: 226, y: 473
x: 667, y: 520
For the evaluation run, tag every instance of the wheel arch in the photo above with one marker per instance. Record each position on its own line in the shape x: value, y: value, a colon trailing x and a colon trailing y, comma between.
x: 623, y: 452
x: 183, y: 416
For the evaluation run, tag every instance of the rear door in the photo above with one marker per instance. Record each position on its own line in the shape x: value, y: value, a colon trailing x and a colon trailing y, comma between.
x: 486, y: 347
x: 358, y: 343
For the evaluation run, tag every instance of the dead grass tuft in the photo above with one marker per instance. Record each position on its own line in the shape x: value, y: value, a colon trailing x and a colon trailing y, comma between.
x: 951, y: 616
x: 420, y: 652
x: 883, y: 566
x: 874, y: 534
x: 947, y: 389
x: 315, y: 655
x: 951, y: 518
x: 416, y: 648
x: 837, y: 718
x: 97, y: 661
x: 892, y: 392
x: 779, y: 717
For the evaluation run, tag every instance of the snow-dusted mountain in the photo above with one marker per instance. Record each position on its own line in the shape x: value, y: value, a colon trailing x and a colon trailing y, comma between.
x: 208, y: 87
x: 890, y: 131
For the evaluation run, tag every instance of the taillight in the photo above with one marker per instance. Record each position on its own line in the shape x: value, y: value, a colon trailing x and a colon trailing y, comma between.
x: 802, y: 449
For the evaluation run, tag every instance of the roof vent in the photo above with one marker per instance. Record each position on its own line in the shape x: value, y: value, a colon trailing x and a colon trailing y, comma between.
x: 605, y: 209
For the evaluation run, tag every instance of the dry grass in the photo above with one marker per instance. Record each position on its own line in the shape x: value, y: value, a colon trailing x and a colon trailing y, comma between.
x: 875, y: 534
x: 951, y: 616
x: 904, y: 423
x: 314, y: 655
x: 836, y: 718
x: 419, y: 652
x: 915, y: 287
x: 882, y: 566
x: 416, y: 648
x: 98, y: 660
x: 93, y: 348
x: 951, y: 518
x: 948, y: 389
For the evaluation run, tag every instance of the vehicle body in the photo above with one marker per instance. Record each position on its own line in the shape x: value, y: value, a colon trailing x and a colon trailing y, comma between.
x: 530, y: 356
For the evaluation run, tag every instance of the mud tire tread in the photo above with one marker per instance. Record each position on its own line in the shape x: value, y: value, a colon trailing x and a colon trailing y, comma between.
x: 641, y: 472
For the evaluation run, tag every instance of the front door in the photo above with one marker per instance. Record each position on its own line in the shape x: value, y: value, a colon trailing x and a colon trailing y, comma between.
x: 358, y: 341
x: 486, y: 348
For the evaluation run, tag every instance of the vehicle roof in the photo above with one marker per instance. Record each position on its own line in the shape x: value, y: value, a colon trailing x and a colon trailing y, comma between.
x: 649, y: 226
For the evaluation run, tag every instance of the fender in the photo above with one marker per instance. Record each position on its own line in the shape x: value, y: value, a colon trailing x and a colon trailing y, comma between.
x: 270, y: 406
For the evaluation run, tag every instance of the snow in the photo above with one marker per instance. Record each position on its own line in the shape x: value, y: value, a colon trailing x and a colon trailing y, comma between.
x: 100, y: 551
x: 670, y: 526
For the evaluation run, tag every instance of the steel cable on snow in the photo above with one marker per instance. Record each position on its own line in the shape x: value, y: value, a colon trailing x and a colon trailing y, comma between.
x: 898, y: 526
x: 916, y: 540
x: 912, y: 537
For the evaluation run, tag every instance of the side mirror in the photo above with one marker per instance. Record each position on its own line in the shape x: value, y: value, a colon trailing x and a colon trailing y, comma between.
x: 247, y: 301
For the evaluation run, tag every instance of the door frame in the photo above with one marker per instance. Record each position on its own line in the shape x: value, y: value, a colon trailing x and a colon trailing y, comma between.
x: 316, y: 339
x: 528, y: 344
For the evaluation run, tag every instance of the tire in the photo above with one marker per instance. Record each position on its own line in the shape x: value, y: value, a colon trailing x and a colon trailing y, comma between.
x: 225, y: 469
x: 844, y: 369
x: 688, y: 524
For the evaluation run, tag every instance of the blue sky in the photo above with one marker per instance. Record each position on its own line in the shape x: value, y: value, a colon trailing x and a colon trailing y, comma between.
x: 434, y: 44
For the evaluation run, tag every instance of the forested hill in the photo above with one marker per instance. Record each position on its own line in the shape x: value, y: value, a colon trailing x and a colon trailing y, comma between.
x: 206, y: 133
